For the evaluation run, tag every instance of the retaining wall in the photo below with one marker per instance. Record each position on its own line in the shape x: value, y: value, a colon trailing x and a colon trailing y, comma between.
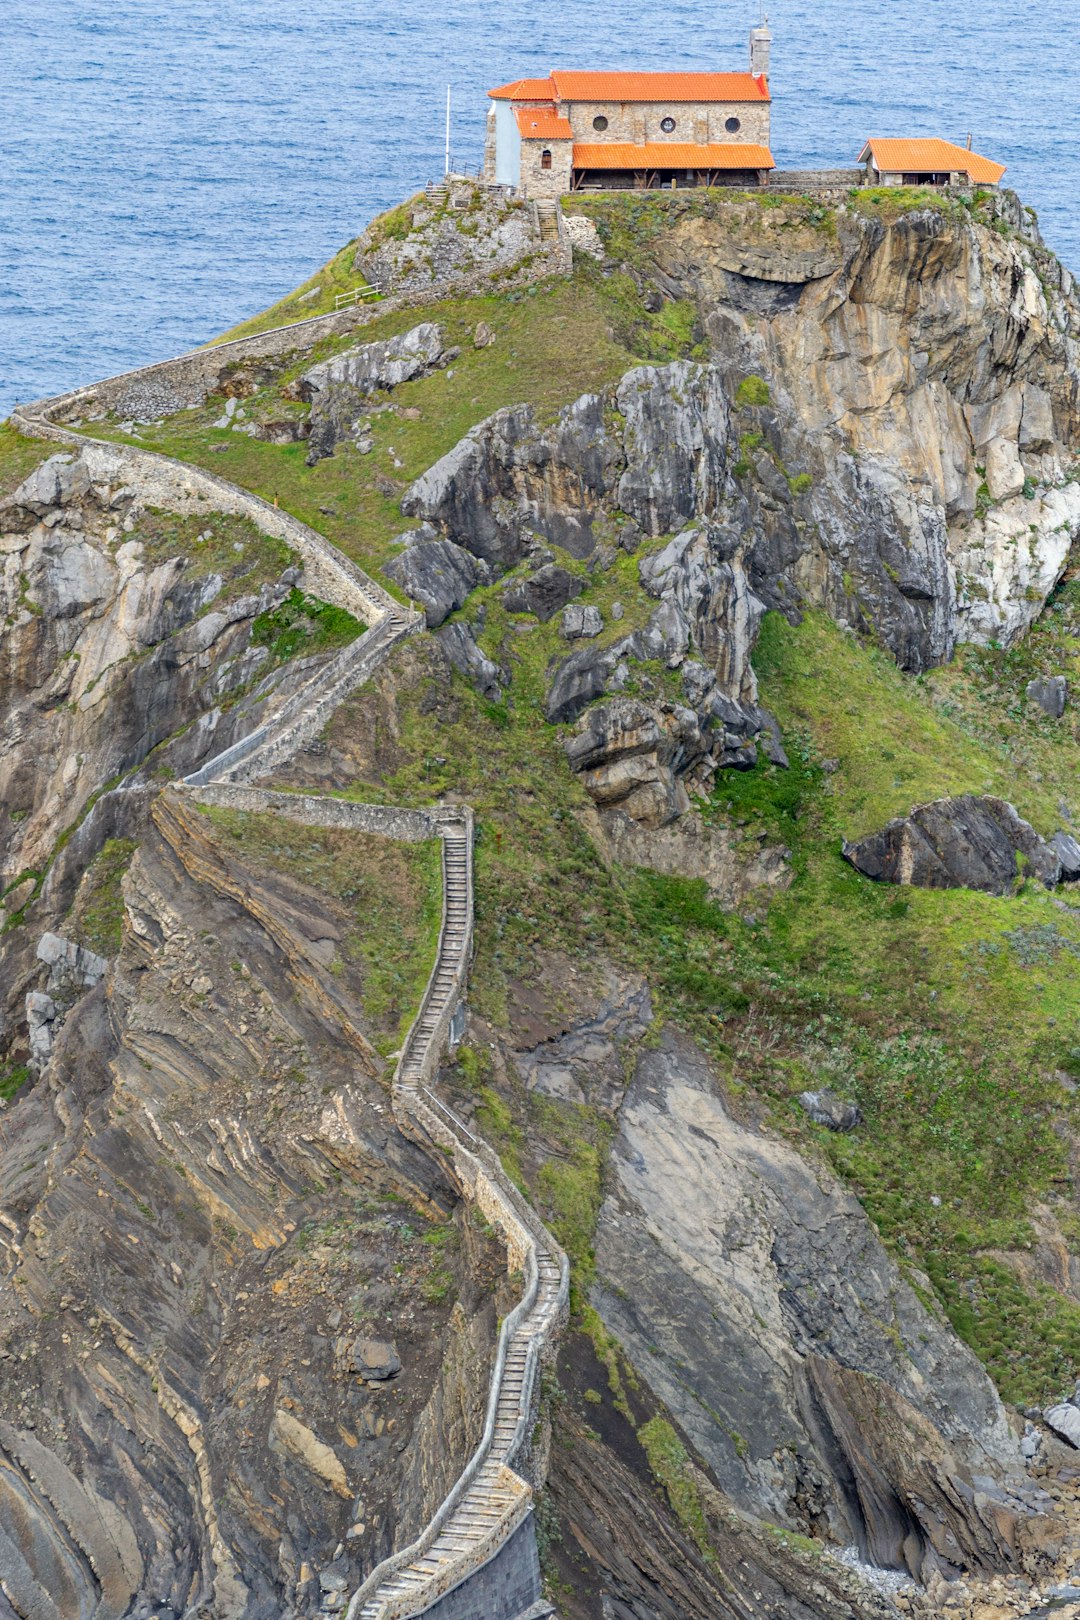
x: 814, y: 179
x: 506, y: 1585
x: 384, y: 820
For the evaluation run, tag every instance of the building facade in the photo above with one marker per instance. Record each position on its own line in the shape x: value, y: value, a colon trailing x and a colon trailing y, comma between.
x: 582, y: 130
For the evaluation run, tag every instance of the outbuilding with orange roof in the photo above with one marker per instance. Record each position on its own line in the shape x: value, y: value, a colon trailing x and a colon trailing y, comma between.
x: 926, y: 162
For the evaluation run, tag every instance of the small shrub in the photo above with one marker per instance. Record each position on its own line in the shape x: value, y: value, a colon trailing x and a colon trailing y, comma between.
x: 752, y: 391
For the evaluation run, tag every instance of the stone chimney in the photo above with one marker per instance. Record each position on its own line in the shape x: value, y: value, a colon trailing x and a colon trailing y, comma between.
x: 760, y: 45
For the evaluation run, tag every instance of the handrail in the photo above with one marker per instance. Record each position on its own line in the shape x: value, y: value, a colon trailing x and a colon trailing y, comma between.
x: 396, y: 1561
x: 452, y: 1119
x: 356, y: 295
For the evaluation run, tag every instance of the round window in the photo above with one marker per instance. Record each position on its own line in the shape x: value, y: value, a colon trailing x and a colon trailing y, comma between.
x: 667, y: 125
x: 599, y: 122
x: 733, y: 125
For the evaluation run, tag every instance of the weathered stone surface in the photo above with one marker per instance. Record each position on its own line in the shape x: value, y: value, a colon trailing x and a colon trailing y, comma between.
x: 579, y: 680
x: 581, y: 623
x: 962, y: 843
x: 375, y: 1358
x: 691, y: 847
x: 1064, y: 1419
x: 509, y: 481
x: 754, y: 1297
x: 70, y: 961
x: 703, y: 571
x: 675, y: 441
x: 1050, y: 693
x: 1067, y: 850
x: 338, y: 389
x: 459, y: 645
x: 436, y: 573
x: 314, y: 1453
x: 826, y: 1108
x: 481, y: 231
x: 587, y: 1063
x: 216, y: 1116
x: 632, y: 755
x: 542, y: 594
x: 59, y: 481
x: 41, y: 1013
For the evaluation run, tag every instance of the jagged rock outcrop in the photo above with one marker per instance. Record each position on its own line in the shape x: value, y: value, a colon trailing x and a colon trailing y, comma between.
x: 923, y: 373
x: 202, y: 1198
x: 966, y: 842
x: 435, y: 573
x: 754, y: 1297
x: 459, y: 645
x: 341, y: 388
x: 1050, y: 693
x: 543, y: 593
x: 114, y: 642
x: 459, y: 230
x: 635, y: 756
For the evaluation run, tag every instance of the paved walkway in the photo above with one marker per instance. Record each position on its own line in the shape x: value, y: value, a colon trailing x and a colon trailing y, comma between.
x: 490, y: 1498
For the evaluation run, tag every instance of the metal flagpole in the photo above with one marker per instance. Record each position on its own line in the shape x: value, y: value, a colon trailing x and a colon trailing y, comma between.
x: 446, y: 170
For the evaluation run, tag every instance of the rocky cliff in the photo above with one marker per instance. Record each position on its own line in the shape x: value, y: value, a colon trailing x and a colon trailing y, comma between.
x: 751, y: 539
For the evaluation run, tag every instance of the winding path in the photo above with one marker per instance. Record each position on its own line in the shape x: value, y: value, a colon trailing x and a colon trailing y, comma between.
x: 491, y: 1497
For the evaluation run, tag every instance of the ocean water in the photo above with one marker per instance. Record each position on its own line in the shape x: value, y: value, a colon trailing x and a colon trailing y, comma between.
x: 168, y: 167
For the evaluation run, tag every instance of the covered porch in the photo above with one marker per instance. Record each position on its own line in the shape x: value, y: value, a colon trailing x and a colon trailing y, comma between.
x: 667, y: 165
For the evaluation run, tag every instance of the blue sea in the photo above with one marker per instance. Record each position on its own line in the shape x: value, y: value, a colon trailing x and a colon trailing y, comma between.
x: 168, y: 167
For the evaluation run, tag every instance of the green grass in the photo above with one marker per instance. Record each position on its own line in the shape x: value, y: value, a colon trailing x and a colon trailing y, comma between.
x: 11, y: 1079
x: 214, y: 543
x: 389, y: 895
x: 18, y: 457
x: 304, y: 624
x: 553, y: 342
x: 98, y: 913
x: 670, y: 1465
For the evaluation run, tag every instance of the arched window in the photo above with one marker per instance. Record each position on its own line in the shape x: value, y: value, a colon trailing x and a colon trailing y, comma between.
x: 545, y: 158
x: 733, y: 125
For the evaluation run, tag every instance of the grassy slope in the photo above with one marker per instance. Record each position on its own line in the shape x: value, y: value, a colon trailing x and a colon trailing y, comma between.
x: 551, y: 345
x: 947, y: 1016
x: 18, y: 457
x: 389, y: 896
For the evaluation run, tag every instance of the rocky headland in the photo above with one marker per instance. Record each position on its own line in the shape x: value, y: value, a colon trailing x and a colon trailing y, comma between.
x: 739, y: 535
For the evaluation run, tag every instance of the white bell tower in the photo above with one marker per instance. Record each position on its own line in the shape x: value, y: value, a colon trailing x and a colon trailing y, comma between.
x: 760, y: 46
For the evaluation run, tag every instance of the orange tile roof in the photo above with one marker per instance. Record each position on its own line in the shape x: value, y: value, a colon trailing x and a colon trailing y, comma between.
x: 673, y: 87
x: 659, y: 86
x: 542, y: 124
x: 525, y: 90
x: 931, y: 156
x: 671, y: 155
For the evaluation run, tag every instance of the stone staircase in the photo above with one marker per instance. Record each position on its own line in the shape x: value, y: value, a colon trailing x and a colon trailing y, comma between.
x: 548, y: 219
x: 491, y: 1498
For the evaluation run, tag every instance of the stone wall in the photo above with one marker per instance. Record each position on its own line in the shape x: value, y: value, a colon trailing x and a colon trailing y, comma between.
x: 506, y: 1586
x: 538, y: 182
x: 384, y: 820
x: 815, y: 179
x: 700, y: 121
